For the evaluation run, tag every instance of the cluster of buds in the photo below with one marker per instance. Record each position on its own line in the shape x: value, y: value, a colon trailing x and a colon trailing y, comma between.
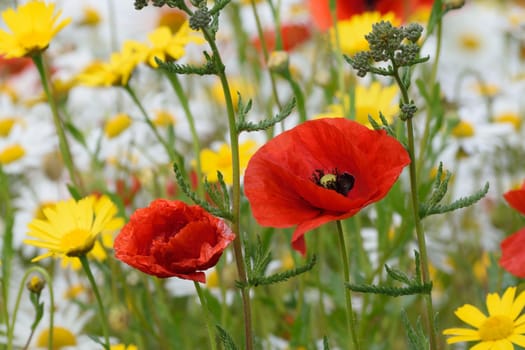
x: 397, y: 45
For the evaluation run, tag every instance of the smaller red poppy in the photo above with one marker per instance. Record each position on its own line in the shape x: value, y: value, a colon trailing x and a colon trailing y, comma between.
x: 293, y: 35
x: 513, y: 254
x: 173, y: 239
x: 320, y: 171
x: 516, y: 198
x: 322, y: 18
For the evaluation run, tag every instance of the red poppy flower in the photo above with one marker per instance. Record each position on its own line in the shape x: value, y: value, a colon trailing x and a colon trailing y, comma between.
x: 292, y: 36
x: 171, y: 238
x: 512, y: 252
x: 322, y: 170
x: 14, y: 66
x: 516, y: 198
x: 320, y: 9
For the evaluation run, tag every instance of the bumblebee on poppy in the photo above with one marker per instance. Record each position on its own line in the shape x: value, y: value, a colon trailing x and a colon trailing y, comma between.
x: 339, y: 182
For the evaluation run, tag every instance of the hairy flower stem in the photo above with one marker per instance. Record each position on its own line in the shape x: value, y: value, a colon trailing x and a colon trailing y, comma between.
x: 265, y: 51
x: 415, y: 211
x: 431, y: 83
x: 169, y: 150
x: 62, y: 139
x: 206, y: 311
x: 236, y: 189
x: 340, y: 63
x: 177, y: 87
x: 49, y: 282
x: 350, y: 319
x: 102, y: 311
x: 7, y: 249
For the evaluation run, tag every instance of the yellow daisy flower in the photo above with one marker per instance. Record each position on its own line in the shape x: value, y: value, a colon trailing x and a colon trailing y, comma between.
x: 32, y: 27
x: 502, y: 328
x: 352, y: 31
x: 369, y: 101
x: 221, y: 160
x: 72, y: 227
x: 168, y: 46
x: 117, y: 71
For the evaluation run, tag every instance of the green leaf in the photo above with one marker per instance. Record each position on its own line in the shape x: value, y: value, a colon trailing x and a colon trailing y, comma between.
x: 243, y: 125
x: 185, y: 187
x: 416, y: 337
x: 175, y: 68
x: 226, y: 339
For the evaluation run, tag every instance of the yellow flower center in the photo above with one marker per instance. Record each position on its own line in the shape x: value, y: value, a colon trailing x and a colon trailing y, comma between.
x: 77, y: 242
x: 6, y: 124
x: 463, y: 129
x: 469, y: 42
x: 61, y: 338
x: 496, y: 328
x: 91, y: 16
x: 11, y: 153
x: 116, y: 125
x: 74, y: 291
x: 511, y: 118
x: 163, y: 118
x: 212, y: 279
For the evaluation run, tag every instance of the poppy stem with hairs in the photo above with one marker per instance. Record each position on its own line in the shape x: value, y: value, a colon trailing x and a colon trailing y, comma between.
x: 63, y: 144
x: 350, y: 319
x: 415, y: 210
x: 177, y: 87
x: 236, y: 188
x: 205, y: 310
x: 102, y: 311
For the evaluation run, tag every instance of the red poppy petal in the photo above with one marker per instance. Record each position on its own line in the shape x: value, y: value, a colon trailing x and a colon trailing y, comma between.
x: 513, y: 255
x: 298, y: 242
x: 516, y: 199
x: 274, y: 203
x: 320, y: 11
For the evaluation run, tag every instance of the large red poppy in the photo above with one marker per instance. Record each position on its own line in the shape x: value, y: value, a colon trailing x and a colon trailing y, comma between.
x: 512, y: 248
x: 171, y: 238
x: 322, y: 17
x: 322, y: 170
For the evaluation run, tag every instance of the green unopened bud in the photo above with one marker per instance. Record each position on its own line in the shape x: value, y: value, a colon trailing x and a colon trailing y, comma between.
x: 35, y: 285
x: 278, y: 62
x: 200, y: 19
x: 413, y: 32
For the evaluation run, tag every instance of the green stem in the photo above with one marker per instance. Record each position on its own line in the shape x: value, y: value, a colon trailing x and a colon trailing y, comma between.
x: 177, y: 87
x: 350, y: 319
x: 7, y: 247
x: 414, y: 196
x: 299, y: 96
x: 62, y: 139
x: 339, y: 60
x: 432, y: 81
x: 236, y: 189
x: 171, y: 153
x: 49, y: 282
x: 265, y: 51
x: 102, y: 310
x: 206, y: 311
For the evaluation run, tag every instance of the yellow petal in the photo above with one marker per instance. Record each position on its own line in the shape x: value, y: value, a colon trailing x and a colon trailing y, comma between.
x: 507, y: 300
x: 517, y: 306
x: 470, y: 315
x: 518, y: 339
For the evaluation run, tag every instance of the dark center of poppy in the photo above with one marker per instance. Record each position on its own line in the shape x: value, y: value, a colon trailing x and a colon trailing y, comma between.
x: 339, y: 182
